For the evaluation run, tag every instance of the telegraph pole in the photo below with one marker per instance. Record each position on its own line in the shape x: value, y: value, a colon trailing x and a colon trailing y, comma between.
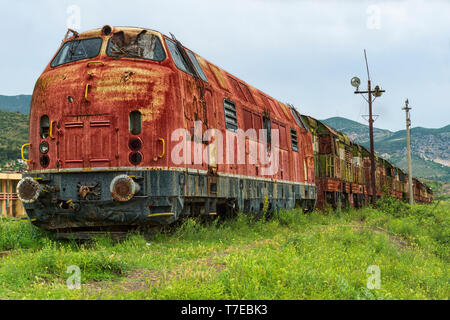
x: 408, y: 146
x: 377, y: 92
x: 372, y: 148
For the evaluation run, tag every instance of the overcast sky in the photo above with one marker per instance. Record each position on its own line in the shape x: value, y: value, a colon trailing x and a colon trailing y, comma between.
x: 301, y: 52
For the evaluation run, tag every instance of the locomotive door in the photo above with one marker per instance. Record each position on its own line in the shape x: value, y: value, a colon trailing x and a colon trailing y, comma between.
x: 88, y: 141
x: 102, y: 142
x: 71, y: 144
x: 214, y: 148
x: 211, y: 123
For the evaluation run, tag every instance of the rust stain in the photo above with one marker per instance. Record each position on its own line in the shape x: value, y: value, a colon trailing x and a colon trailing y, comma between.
x: 44, y: 82
x: 219, y: 76
x: 286, y: 111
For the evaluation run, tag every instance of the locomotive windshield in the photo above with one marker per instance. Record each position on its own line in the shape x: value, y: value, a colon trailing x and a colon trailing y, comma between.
x: 141, y: 46
x: 77, y: 50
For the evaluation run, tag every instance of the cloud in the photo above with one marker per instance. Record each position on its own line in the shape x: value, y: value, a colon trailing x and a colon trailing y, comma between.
x: 304, y: 52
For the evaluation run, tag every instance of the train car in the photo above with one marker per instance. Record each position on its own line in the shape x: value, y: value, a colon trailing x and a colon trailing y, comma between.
x: 343, y: 171
x: 429, y: 197
x: 126, y: 128
x: 398, y: 183
x: 339, y: 167
x: 385, y: 177
x: 390, y: 180
x: 422, y: 193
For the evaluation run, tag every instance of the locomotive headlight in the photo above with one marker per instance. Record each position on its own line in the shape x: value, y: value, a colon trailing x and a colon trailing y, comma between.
x: 28, y: 190
x: 44, y: 147
x: 123, y: 188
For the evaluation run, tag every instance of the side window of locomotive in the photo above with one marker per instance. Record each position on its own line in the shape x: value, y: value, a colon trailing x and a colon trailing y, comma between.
x: 44, y: 130
x: 177, y: 57
x: 268, y: 127
x: 388, y: 172
x: 294, y: 140
x: 135, y: 122
x: 283, y: 139
x: 77, y: 50
x: 247, y: 93
x: 248, y: 122
x: 231, y: 122
x: 252, y: 121
x: 197, y: 66
x: 141, y: 46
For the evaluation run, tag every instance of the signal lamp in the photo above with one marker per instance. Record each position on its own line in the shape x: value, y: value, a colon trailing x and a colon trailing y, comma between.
x: 44, y: 161
x: 136, y: 158
x: 44, y: 147
x: 135, y: 144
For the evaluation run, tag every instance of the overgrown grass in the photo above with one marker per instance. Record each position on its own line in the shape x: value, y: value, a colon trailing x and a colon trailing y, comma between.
x: 323, y: 255
x: 17, y: 234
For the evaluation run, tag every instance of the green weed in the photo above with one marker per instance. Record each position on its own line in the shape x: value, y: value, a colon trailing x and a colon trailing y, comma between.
x: 291, y: 256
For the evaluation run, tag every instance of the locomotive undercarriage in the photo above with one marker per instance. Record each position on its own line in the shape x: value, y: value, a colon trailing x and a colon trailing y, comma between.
x: 80, y: 204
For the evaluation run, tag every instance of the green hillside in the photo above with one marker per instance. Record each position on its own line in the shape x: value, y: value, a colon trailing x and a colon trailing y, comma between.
x: 14, y: 134
x: 423, y: 168
x: 430, y: 147
x: 439, y: 137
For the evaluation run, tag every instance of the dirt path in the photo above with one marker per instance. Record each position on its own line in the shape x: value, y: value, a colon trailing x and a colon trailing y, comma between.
x: 395, y: 239
x: 142, y: 279
x: 5, y: 253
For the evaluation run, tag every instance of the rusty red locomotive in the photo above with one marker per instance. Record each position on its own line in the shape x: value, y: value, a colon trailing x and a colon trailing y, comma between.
x: 102, y: 151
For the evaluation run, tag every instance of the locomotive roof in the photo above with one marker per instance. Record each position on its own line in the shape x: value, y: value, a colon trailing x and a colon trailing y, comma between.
x: 98, y: 32
x: 282, y: 107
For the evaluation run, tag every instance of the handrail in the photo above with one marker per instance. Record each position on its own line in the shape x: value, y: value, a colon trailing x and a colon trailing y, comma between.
x: 86, y: 92
x: 51, y: 129
x: 95, y: 62
x: 164, y: 150
x: 21, y: 152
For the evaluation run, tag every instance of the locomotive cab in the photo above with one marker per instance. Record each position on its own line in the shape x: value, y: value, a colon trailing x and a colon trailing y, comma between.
x: 99, y: 111
x: 97, y: 96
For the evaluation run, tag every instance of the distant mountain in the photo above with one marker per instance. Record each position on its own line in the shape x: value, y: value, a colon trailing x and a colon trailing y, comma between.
x: 430, y: 147
x: 356, y: 131
x: 19, y: 103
